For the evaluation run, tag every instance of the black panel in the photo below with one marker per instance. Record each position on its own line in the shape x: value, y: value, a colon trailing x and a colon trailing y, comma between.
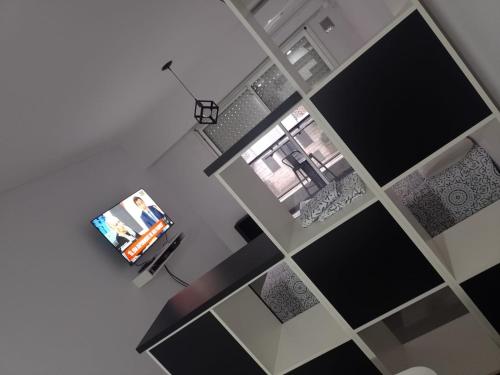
x: 425, y: 315
x: 255, y: 132
x: 400, y: 101
x: 367, y: 266
x: 204, y: 347
x: 247, y: 228
x: 484, y: 290
x: 346, y: 359
x: 236, y: 271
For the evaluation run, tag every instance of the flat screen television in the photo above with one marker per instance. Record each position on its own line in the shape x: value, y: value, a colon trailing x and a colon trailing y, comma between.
x: 133, y: 225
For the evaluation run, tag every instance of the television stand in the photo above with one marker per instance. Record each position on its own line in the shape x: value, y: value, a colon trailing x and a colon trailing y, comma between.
x: 150, y: 269
x: 146, y: 264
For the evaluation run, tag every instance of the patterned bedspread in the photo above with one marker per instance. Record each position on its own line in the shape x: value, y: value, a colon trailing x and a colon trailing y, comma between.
x: 333, y: 198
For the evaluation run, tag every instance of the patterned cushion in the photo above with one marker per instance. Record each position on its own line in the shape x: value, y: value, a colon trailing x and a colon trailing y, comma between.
x: 407, y: 186
x: 429, y: 210
x: 285, y: 294
x: 350, y: 188
x: 312, y: 209
x: 469, y: 185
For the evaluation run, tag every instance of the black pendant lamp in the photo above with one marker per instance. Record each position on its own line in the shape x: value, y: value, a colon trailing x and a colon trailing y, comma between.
x: 205, y: 111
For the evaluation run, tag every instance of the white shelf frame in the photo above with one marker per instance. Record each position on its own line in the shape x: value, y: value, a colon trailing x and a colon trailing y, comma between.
x: 279, y: 358
x: 380, y: 194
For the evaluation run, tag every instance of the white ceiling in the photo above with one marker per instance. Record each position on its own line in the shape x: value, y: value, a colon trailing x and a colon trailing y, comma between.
x: 76, y: 75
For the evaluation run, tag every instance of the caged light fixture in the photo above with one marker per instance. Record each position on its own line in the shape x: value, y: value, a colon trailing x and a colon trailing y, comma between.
x: 205, y: 111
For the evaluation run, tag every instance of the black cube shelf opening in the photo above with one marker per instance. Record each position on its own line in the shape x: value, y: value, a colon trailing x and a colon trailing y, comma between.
x: 437, y: 332
x: 401, y: 100
x: 205, y: 347
x: 347, y: 359
x: 367, y: 266
x: 484, y: 290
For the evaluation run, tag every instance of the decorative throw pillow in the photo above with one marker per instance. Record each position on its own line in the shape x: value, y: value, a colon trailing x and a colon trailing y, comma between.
x: 406, y: 187
x: 285, y: 294
x: 310, y: 211
x: 306, y: 217
x: 469, y: 185
x: 427, y: 207
x: 350, y: 187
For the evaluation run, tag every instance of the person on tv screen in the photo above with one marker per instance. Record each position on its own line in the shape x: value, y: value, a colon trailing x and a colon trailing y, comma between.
x: 124, y: 234
x: 150, y: 214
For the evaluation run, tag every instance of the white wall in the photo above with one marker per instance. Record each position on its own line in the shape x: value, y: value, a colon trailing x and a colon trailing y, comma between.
x: 181, y: 168
x: 343, y: 40
x: 367, y: 17
x: 68, y: 302
x: 211, y: 78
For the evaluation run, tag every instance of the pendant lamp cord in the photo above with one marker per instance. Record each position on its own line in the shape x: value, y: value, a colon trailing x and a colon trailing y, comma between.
x: 183, y: 85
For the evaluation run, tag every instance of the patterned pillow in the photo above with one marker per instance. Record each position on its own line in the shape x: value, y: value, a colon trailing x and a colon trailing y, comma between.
x: 427, y: 207
x: 310, y: 210
x: 285, y: 294
x: 350, y: 187
x: 469, y: 185
x: 407, y: 186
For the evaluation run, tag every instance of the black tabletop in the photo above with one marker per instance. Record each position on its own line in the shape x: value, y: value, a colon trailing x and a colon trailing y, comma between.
x: 231, y: 274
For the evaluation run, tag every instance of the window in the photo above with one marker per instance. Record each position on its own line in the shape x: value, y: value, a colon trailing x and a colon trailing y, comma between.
x: 236, y: 120
x: 294, y: 159
x: 263, y: 92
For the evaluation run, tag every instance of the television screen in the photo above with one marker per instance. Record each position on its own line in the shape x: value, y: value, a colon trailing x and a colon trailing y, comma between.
x: 133, y: 225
